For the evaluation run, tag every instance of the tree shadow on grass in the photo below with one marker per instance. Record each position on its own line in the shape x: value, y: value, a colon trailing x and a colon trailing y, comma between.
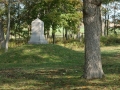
x: 40, y: 79
x: 37, y: 57
x: 111, y: 62
x: 52, y: 67
x: 54, y: 79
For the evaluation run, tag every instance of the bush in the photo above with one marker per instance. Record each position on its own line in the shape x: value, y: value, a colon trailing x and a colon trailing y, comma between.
x: 110, y: 40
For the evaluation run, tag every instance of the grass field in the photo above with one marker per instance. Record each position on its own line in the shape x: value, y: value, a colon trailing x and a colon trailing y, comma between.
x: 55, y: 67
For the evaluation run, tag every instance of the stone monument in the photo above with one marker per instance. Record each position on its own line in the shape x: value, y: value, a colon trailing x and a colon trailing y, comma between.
x: 37, y: 32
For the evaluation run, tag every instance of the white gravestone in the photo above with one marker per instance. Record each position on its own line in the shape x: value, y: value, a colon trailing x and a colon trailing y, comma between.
x: 37, y: 32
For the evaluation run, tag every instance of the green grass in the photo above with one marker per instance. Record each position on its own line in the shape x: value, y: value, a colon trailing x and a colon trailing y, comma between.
x: 55, y: 67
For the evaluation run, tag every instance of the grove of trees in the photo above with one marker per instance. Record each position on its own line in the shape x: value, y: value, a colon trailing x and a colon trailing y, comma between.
x: 55, y: 14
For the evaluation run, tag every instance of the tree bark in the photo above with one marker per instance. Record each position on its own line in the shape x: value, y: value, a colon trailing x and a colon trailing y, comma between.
x: 93, y: 27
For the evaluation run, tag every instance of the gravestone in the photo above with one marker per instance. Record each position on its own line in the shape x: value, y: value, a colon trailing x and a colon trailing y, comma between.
x: 37, y: 32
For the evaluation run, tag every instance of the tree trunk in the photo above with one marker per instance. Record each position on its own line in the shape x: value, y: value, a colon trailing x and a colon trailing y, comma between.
x: 29, y: 29
x: 66, y: 34
x: 1, y: 35
x: 114, y: 19
x: 107, y: 32
x: 48, y: 35
x: 105, y: 28
x: 93, y: 27
x: 53, y: 33
x: 63, y: 33
x: 53, y: 36
x: 8, y: 28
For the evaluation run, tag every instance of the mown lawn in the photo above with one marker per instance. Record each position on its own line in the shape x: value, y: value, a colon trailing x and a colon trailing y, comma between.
x: 54, y: 67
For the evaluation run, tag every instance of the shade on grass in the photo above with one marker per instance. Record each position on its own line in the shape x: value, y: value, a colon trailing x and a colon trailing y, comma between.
x: 54, y: 67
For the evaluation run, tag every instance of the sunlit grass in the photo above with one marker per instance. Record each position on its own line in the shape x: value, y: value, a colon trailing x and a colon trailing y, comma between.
x: 55, y: 67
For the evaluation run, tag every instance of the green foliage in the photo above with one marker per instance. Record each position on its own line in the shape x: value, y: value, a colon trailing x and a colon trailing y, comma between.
x: 2, y: 10
x: 54, y: 12
x: 110, y: 40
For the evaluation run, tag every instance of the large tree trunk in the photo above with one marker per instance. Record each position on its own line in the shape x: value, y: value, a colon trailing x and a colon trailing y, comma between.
x: 93, y: 27
x: 1, y: 35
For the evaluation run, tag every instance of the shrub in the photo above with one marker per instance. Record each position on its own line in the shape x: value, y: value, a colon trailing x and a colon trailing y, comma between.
x: 110, y: 40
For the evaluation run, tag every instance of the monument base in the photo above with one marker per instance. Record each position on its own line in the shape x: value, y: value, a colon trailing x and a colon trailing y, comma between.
x: 38, y: 42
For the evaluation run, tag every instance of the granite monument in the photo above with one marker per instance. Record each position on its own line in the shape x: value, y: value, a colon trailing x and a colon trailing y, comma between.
x: 37, y: 32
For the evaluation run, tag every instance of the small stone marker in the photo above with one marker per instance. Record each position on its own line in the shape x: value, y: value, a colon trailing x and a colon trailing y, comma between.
x: 37, y: 32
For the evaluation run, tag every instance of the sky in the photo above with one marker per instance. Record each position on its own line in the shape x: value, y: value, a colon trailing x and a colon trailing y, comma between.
x: 113, y: 11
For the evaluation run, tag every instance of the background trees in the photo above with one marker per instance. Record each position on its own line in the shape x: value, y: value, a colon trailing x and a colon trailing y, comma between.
x: 55, y: 14
x: 110, y: 13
